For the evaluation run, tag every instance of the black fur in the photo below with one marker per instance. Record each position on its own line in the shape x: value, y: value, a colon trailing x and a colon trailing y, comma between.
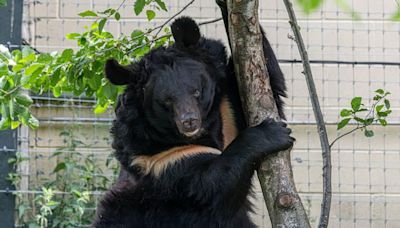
x: 186, y: 32
x: 203, y: 190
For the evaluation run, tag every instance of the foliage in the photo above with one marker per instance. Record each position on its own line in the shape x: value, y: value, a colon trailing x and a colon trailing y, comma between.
x: 396, y: 15
x: 140, y: 4
x: 310, y: 6
x: 364, y: 117
x: 3, y: 3
x: 67, y: 197
x: 344, y: 5
x: 79, y: 73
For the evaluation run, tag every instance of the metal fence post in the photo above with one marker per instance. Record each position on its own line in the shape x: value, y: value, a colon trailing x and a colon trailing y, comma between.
x: 10, y: 32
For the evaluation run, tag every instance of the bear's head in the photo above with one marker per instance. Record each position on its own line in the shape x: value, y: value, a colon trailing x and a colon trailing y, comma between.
x: 174, y: 91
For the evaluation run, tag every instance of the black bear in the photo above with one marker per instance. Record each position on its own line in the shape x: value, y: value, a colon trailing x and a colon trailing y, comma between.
x: 187, y: 159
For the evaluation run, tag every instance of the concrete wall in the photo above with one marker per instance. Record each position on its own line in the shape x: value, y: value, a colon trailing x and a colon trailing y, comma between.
x: 366, y: 171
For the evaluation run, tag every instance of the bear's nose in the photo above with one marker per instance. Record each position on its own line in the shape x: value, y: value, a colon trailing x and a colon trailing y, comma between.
x: 190, y: 121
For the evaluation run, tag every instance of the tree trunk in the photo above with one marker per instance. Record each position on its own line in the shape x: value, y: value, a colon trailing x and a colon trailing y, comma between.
x: 275, y: 174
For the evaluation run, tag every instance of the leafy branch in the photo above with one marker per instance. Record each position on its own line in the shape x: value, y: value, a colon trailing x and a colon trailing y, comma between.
x: 80, y: 72
x: 76, y: 73
x: 379, y: 111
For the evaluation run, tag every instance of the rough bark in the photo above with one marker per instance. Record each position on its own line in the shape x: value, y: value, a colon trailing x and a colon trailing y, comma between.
x: 275, y: 174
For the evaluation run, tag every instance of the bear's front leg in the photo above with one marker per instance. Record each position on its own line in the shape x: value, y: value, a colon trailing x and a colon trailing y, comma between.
x: 227, y: 180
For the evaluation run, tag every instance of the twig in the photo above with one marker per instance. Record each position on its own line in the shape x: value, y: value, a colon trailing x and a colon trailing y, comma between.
x: 26, y: 43
x: 326, y: 151
x: 347, y: 133
x: 160, y: 27
x: 149, y: 42
x: 6, y: 93
x: 173, y: 16
x: 372, y: 110
x: 210, y: 21
x: 120, y: 5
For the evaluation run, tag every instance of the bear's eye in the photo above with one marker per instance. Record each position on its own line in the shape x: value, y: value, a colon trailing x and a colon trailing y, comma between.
x: 196, y: 93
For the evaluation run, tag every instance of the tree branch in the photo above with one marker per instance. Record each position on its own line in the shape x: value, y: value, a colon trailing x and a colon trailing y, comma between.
x: 210, y: 21
x: 326, y: 151
x: 6, y: 93
x: 160, y: 27
x: 347, y: 133
x: 275, y: 174
x: 173, y: 16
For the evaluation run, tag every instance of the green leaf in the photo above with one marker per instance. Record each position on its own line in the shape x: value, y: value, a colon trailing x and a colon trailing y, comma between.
x: 88, y: 13
x: 377, y: 97
x: 23, y: 99
x: 150, y: 14
x: 101, y: 108
x: 60, y: 166
x: 66, y: 56
x: 3, y: 3
x: 345, y: 112
x: 94, y: 82
x: 356, y: 103
x: 309, y: 6
x: 383, y: 122
x: 82, y: 41
x: 382, y: 114
x: 44, y: 58
x: 380, y: 91
x: 26, y: 51
x: 378, y: 108
x: 72, y: 36
x: 33, y: 122
x: 343, y: 123
x: 4, y: 69
x: 387, y: 104
x: 21, y: 210
x: 33, y: 68
x: 3, y: 81
x: 24, y: 116
x: 368, y: 133
x: 109, y: 11
x: 29, y: 58
x: 162, y: 5
x: 360, y: 120
x: 344, y: 5
x: 5, y: 123
x: 101, y: 24
x: 396, y: 15
x: 15, y: 124
x: 5, y: 54
x: 117, y: 16
x: 139, y: 5
x: 369, y: 121
x: 137, y: 34
x: 17, y: 54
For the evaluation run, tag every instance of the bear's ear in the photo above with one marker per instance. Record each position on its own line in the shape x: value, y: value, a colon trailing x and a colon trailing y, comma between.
x: 185, y: 32
x: 118, y: 74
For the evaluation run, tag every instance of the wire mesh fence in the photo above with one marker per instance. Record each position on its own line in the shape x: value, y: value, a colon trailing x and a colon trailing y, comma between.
x: 349, y: 58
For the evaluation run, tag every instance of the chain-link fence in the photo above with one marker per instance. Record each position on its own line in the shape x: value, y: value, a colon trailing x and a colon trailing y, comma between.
x: 349, y: 58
